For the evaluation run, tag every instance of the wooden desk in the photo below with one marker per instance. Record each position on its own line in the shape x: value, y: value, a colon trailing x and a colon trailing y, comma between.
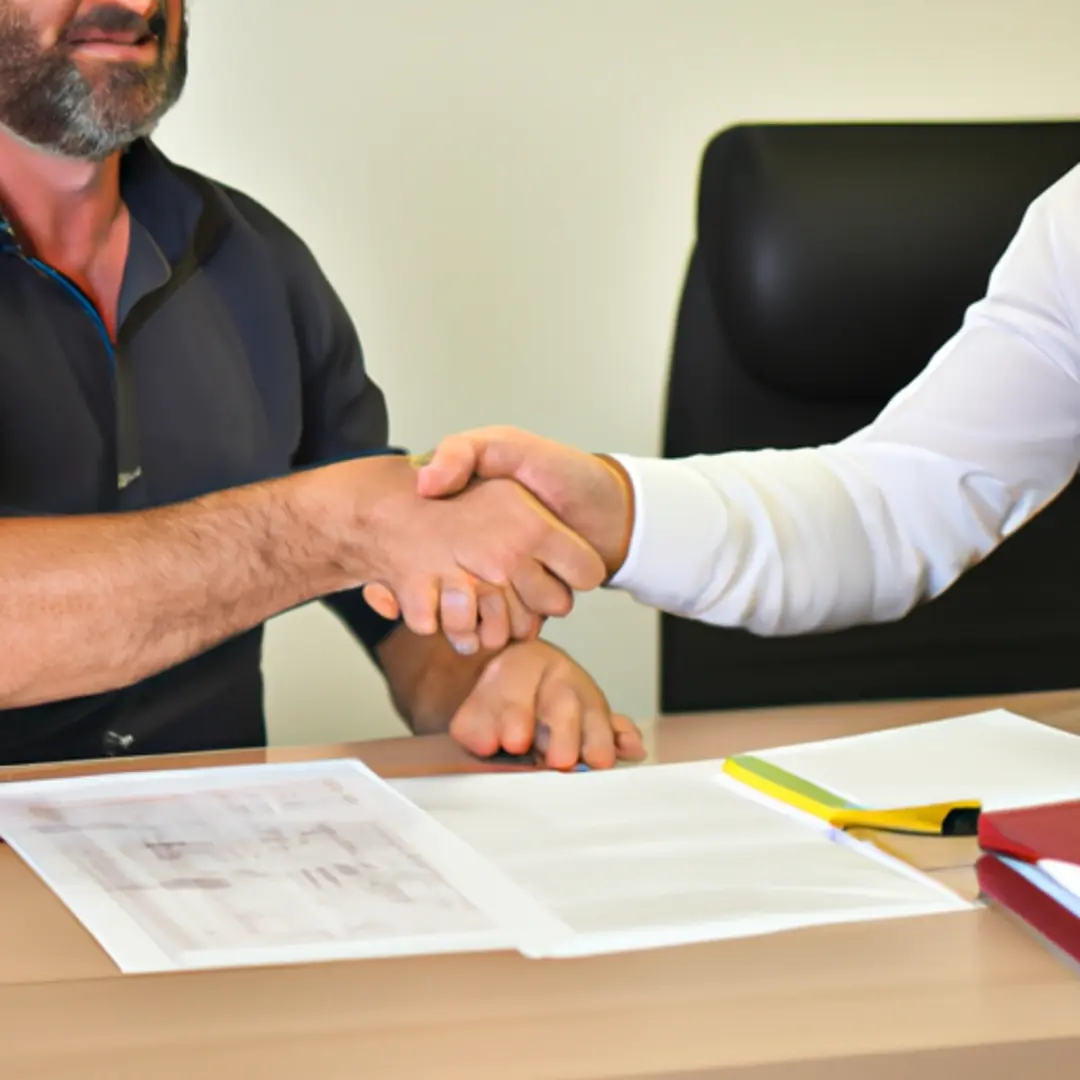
x: 949, y: 996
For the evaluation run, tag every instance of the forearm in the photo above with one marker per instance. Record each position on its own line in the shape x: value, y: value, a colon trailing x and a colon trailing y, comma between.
x: 92, y: 603
x: 428, y: 681
x: 784, y: 542
x: 811, y: 540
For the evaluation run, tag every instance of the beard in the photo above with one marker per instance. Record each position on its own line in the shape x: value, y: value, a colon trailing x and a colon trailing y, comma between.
x: 48, y: 101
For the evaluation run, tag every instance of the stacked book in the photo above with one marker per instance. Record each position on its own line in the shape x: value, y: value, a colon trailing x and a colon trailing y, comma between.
x: 1030, y: 865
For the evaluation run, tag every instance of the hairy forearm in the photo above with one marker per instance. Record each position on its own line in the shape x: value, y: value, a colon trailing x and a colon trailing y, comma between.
x: 93, y: 603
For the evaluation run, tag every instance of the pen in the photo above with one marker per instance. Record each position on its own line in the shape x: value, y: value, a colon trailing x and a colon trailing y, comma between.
x: 535, y: 757
x: 531, y: 760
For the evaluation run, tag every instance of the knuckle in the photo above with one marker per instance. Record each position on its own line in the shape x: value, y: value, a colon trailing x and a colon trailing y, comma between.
x: 561, y: 669
x: 562, y: 606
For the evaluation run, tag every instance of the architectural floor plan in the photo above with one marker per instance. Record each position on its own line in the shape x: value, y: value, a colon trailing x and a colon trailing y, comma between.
x: 252, y: 865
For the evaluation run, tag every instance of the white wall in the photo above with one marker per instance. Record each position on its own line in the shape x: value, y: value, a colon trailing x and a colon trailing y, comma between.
x: 502, y: 191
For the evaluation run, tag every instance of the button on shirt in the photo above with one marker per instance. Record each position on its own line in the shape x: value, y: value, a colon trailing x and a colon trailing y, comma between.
x: 794, y: 541
x: 234, y: 362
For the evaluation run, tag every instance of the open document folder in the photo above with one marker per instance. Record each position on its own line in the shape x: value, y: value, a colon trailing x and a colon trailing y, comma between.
x: 272, y: 864
x: 930, y: 778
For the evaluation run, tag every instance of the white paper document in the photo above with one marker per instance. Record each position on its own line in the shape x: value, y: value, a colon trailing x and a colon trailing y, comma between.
x: 261, y: 865
x: 1003, y: 760
x: 273, y: 864
x: 669, y: 855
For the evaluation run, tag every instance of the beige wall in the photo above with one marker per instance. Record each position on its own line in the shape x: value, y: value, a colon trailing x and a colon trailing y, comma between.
x: 502, y: 191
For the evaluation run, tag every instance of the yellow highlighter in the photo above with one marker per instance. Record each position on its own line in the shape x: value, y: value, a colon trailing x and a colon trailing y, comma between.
x: 956, y: 818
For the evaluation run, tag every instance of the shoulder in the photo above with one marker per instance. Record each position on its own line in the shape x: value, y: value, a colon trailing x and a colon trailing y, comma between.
x: 316, y: 306
x: 1053, y: 218
x: 1038, y: 271
x: 1063, y: 193
x: 292, y: 254
x: 265, y: 233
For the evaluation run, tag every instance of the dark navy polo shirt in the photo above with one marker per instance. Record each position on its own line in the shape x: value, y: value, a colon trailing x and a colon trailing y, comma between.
x: 234, y: 362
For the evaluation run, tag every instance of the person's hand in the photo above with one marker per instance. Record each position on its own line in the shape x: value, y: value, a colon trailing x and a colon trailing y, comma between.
x: 589, y: 493
x: 532, y: 698
x: 430, y: 554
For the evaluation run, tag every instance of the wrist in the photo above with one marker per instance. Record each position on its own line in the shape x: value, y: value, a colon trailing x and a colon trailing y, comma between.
x: 336, y: 512
x: 428, y: 681
x: 304, y: 539
x: 617, y: 531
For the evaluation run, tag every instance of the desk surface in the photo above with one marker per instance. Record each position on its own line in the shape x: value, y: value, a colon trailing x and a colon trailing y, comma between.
x: 945, y: 995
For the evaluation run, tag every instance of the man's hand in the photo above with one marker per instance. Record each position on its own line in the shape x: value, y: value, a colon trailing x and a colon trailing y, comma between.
x: 426, y: 552
x: 533, y: 698
x: 590, y: 494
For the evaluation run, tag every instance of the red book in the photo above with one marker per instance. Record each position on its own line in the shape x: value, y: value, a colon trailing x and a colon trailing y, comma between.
x: 1048, y: 836
x: 1039, y: 911
x: 1035, y: 834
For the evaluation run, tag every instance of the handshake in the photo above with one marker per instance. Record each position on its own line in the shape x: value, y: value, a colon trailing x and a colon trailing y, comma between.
x: 492, y: 533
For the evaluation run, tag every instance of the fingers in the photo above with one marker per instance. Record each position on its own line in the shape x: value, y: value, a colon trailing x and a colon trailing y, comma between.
x: 475, y: 726
x: 488, y: 453
x: 575, y: 723
x: 489, y: 619
x: 598, y: 748
x: 458, y: 610
x: 629, y: 744
x: 533, y: 697
x: 450, y: 468
x: 419, y: 601
x: 382, y: 601
x: 494, y: 616
x: 569, y: 558
x: 577, y: 719
x: 473, y: 616
x: 525, y: 624
x: 559, y: 724
x: 508, y: 530
x: 499, y: 714
x: 540, y: 592
x: 477, y: 616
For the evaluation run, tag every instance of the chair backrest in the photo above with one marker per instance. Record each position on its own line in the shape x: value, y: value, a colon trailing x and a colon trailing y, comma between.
x: 831, y: 262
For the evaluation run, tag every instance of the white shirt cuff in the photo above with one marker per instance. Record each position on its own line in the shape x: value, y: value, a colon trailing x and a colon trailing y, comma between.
x: 678, y: 528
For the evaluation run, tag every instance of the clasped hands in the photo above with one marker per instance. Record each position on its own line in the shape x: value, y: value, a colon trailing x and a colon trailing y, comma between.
x: 484, y: 539
x: 536, y: 521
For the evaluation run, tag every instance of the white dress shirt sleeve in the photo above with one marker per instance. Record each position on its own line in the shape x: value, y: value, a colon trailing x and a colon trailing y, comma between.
x: 792, y: 541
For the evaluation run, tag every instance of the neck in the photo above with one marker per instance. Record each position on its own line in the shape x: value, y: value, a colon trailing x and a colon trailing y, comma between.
x: 62, y: 211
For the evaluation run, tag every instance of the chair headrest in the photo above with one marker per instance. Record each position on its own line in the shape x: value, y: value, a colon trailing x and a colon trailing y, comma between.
x: 842, y: 256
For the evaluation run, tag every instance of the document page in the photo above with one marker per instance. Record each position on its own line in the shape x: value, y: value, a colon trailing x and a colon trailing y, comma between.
x: 262, y: 865
x: 1003, y: 760
x: 669, y: 855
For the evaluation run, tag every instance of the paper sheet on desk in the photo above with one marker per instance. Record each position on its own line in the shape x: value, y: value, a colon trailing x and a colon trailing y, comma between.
x: 261, y: 864
x: 1003, y: 760
x: 667, y: 855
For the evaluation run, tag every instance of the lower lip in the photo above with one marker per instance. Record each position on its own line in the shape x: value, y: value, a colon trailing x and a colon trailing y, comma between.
x: 108, y: 50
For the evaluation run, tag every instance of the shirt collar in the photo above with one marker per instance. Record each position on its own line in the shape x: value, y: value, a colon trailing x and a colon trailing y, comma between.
x: 183, y: 213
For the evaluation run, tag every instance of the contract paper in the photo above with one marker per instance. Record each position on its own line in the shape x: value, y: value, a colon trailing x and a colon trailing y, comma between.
x: 1002, y: 760
x: 262, y: 864
x: 669, y: 855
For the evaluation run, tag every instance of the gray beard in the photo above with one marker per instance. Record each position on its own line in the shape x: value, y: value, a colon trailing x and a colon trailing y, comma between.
x: 81, y: 132
x: 47, y: 102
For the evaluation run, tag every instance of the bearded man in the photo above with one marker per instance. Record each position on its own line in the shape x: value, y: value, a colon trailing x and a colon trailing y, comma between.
x: 189, y: 444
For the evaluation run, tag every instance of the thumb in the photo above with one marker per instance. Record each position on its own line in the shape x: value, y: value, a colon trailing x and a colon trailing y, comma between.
x: 489, y: 454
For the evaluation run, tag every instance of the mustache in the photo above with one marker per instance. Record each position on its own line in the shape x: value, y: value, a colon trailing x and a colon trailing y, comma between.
x: 114, y: 19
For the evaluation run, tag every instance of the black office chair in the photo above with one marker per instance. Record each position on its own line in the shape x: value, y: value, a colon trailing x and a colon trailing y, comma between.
x: 831, y: 262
